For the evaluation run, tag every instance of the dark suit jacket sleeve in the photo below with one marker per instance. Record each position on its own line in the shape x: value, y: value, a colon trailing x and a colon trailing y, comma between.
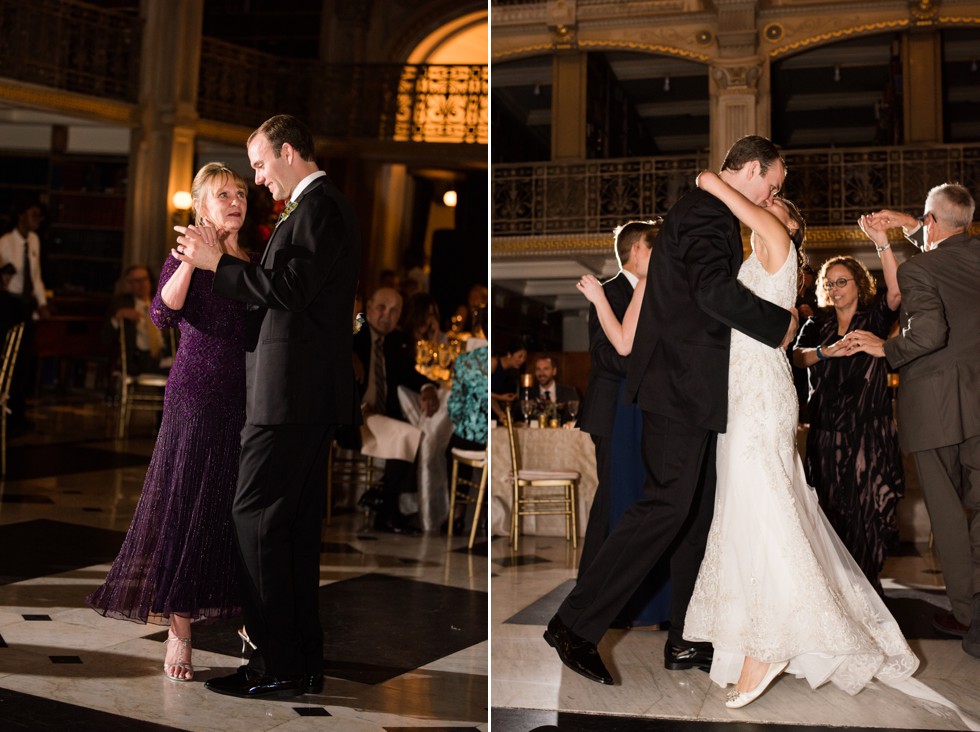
x: 716, y: 290
x: 924, y: 327
x: 298, y: 270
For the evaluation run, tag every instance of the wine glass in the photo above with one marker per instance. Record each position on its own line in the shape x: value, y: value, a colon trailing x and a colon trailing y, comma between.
x: 527, y: 406
x: 572, y: 407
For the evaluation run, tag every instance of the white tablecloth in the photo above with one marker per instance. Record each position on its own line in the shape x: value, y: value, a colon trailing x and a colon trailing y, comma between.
x: 432, y: 500
x: 541, y: 449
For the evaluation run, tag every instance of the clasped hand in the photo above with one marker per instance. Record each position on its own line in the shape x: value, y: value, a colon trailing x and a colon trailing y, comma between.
x: 197, y: 245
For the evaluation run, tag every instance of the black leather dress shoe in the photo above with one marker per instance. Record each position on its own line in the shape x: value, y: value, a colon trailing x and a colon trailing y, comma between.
x: 246, y: 684
x: 579, y: 654
x: 679, y: 658
x: 313, y: 683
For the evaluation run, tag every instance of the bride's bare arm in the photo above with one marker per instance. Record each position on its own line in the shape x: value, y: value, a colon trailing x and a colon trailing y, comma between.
x: 765, y: 225
x: 620, y: 335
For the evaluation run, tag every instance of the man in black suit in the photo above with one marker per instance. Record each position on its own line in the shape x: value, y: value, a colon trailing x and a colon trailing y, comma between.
x: 607, y: 373
x: 678, y: 375
x: 299, y: 388
x: 549, y: 390
x: 386, y: 360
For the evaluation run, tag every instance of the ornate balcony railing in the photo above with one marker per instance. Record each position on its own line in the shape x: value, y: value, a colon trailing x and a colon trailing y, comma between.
x: 88, y: 50
x: 72, y: 47
x: 832, y: 187
x: 418, y: 103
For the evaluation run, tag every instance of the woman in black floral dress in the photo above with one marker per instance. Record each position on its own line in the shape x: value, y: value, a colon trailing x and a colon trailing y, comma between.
x: 852, y: 455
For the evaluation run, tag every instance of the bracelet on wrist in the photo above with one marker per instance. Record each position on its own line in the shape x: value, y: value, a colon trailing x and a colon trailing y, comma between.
x: 820, y: 355
x: 881, y: 249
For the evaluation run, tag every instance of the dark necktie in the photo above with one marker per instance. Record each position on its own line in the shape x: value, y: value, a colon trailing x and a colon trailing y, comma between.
x: 547, y: 395
x: 27, y: 292
x: 380, y: 387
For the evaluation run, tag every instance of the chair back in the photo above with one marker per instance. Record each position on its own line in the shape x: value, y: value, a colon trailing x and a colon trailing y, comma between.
x: 515, y: 458
x: 11, y: 347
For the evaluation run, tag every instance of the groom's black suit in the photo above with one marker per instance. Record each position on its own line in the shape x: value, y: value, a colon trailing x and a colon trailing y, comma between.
x: 678, y: 375
x: 300, y: 387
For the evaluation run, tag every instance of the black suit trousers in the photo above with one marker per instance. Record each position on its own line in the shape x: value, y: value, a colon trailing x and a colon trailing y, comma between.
x: 277, y: 512
x: 672, y: 518
x: 598, y: 525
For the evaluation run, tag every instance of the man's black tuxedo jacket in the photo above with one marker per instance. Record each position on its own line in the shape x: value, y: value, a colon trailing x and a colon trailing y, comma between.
x: 679, y: 364
x: 608, y: 368
x: 399, y: 367
x: 298, y: 338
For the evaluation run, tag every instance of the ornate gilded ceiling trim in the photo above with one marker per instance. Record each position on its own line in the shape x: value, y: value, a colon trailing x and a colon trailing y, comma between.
x: 650, y: 47
x: 957, y: 20
x: 839, y: 35
x: 524, y: 51
x: 556, y: 245
x: 65, y: 102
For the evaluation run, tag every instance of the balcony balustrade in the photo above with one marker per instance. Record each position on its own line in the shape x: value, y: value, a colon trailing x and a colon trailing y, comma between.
x: 832, y: 187
x: 86, y: 50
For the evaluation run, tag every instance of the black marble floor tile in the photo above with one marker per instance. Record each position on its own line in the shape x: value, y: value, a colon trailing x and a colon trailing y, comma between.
x: 42, y: 547
x: 65, y: 659
x: 377, y: 627
x: 914, y: 611
x: 3, y: 643
x: 311, y: 712
x: 38, y: 461
x: 480, y: 549
x: 333, y: 547
x: 33, y: 617
x: 405, y: 622
x: 520, y: 560
x: 25, y: 498
x: 541, y: 610
x: 534, y: 720
x: 22, y: 712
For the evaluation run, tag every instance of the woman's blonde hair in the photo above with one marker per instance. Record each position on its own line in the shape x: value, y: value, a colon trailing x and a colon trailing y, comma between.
x: 208, y: 179
x: 862, y: 278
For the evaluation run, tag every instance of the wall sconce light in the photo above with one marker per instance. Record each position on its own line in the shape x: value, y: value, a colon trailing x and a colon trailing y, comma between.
x: 449, y: 198
x: 182, y: 202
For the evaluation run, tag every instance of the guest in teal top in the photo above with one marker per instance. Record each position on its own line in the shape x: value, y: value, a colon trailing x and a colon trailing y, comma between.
x: 467, y: 404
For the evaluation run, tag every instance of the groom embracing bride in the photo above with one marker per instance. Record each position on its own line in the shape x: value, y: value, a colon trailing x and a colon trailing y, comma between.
x: 678, y: 375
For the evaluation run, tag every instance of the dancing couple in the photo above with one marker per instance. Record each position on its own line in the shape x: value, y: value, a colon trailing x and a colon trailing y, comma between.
x: 761, y: 583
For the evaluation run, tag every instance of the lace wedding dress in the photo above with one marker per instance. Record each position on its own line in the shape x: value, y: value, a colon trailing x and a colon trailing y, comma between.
x: 776, y: 583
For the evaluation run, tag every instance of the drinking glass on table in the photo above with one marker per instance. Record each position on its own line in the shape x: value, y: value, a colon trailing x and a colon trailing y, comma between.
x: 572, y: 407
x: 527, y: 406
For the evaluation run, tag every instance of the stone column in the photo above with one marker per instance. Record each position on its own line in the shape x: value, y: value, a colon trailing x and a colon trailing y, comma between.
x: 740, y: 104
x: 922, y: 86
x: 162, y: 150
x: 569, y: 83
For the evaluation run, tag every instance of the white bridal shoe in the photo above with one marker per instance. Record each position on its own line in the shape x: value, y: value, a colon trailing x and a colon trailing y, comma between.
x: 736, y: 699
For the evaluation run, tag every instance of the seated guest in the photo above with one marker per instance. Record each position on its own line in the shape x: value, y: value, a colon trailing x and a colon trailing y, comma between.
x: 386, y: 360
x: 549, y: 390
x: 468, y: 403
x: 147, y: 350
x: 468, y: 313
x: 505, y: 369
x: 421, y: 322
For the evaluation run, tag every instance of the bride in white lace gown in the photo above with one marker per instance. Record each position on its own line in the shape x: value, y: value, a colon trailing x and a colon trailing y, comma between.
x: 777, y: 590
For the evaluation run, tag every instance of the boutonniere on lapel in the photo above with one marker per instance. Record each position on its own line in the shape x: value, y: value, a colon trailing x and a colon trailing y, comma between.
x: 358, y: 323
x: 290, y: 207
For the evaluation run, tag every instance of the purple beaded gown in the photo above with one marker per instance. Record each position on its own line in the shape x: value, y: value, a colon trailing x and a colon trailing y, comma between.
x: 179, y: 555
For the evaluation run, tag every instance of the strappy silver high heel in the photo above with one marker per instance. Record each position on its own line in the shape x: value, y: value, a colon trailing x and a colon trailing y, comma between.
x: 183, y: 643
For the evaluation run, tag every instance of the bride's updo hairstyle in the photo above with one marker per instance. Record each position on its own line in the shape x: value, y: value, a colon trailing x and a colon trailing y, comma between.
x: 209, y: 179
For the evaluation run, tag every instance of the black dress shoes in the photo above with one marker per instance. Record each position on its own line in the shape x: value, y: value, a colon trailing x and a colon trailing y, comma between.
x: 579, y: 654
x: 679, y: 658
x: 247, y: 684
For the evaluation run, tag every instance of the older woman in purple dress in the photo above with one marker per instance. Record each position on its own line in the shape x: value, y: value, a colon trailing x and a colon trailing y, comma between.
x: 177, y: 563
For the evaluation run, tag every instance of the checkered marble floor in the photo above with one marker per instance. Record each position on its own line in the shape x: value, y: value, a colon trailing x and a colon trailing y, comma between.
x: 413, y: 610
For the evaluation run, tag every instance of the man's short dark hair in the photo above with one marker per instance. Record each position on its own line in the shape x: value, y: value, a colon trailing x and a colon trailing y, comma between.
x: 546, y: 357
x: 750, y: 148
x: 631, y: 233
x: 286, y: 128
